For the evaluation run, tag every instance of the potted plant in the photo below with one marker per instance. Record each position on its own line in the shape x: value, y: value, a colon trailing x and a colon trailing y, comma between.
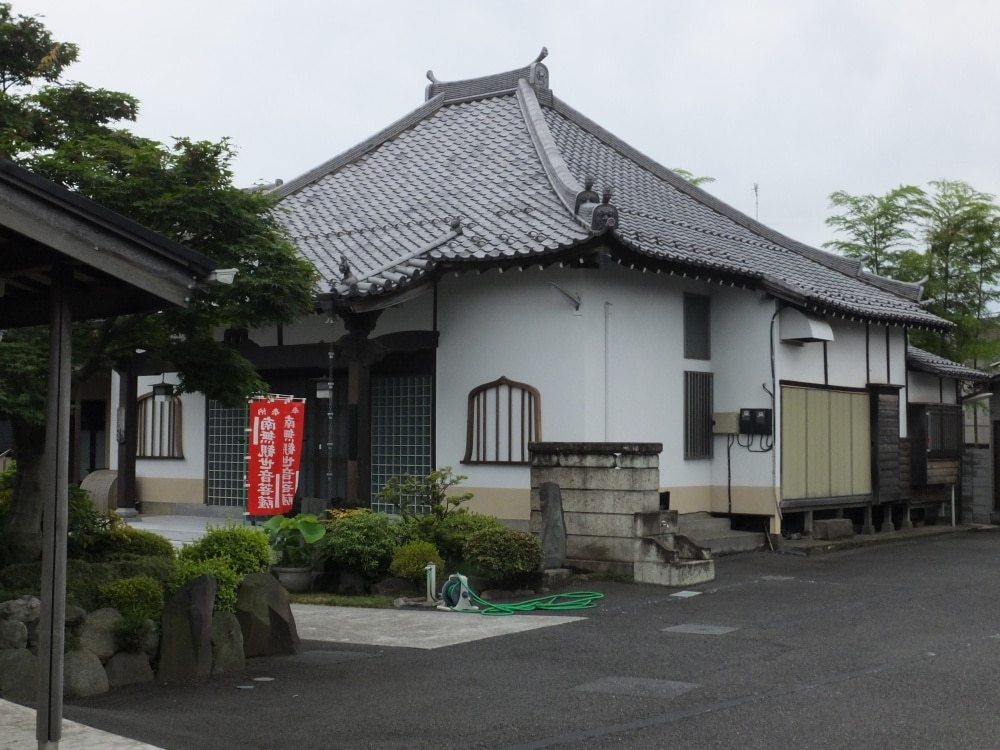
x: 292, y: 539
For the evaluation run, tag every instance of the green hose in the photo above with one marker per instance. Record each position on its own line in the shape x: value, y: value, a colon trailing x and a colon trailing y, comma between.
x: 566, y: 602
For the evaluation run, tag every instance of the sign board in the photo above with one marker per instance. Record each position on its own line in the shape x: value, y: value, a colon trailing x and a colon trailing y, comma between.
x: 275, y: 445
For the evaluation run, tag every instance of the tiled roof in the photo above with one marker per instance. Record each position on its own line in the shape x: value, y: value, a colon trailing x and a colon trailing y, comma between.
x: 494, y: 171
x: 924, y: 361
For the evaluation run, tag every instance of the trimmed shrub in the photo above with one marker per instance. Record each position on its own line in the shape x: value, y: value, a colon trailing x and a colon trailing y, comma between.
x: 84, y: 579
x: 411, y: 559
x: 245, y: 547
x: 131, y: 633
x: 123, y: 540
x: 362, y: 541
x: 227, y: 579
x: 504, y: 555
x: 450, y: 533
x: 139, y: 597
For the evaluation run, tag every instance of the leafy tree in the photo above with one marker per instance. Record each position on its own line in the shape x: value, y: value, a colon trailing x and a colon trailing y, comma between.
x: 961, y: 228
x: 73, y: 134
x: 690, y: 177
x: 946, y: 238
x: 877, y: 226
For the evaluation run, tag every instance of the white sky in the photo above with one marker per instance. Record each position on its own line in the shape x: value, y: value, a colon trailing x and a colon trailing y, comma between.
x: 801, y: 97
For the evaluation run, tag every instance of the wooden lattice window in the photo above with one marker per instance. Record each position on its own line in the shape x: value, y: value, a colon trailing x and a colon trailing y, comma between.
x: 504, y: 416
x: 159, y: 427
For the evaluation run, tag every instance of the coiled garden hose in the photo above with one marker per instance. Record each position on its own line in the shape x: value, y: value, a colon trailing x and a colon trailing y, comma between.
x: 566, y: 602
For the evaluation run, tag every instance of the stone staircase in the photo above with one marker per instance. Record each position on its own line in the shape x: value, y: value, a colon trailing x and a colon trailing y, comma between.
x: 707, y: 530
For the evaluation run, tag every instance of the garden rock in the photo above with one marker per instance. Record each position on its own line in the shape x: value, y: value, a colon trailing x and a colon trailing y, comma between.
x: 83, y: 675
x: 13, y: 634
x: 75, y: 615
x: 18, y: 675
x: 227, y: 644
x: 97, y: 634
x: 128, y: 669
x: 185, y: 643
x: 27, y: 609
x: 265, y: 617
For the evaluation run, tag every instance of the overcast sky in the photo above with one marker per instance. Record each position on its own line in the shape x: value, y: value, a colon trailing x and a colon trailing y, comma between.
x: 799, y: 97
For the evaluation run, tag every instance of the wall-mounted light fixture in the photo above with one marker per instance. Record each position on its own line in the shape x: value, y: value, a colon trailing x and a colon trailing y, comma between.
x: 163, y: 391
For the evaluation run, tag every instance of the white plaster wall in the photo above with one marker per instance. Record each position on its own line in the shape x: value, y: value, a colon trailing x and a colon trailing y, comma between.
x: 193, y: 421
x: 741, y: 329
x: 612, y: 371
x: 930, y: 389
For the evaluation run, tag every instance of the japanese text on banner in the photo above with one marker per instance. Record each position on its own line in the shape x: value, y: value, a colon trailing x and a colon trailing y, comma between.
x: 275, y: 446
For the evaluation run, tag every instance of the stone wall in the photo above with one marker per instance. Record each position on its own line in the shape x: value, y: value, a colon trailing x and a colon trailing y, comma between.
x: 977, y: 485
x: 604, y: 488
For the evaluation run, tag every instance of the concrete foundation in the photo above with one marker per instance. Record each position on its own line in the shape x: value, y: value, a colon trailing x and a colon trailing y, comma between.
x: 611, y: 510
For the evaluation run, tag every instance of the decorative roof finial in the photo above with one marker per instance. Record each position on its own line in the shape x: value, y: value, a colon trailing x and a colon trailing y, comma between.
x: 542, y: 55
x: 431, y: 78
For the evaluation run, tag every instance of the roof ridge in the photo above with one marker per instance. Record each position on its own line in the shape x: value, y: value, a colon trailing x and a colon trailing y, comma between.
x: 536, y: 74
x: 355, y: 152
x: 849, y: 266
x: 566, y: 186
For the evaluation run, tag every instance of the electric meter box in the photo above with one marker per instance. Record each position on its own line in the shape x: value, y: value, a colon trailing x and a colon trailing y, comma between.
x: 726, y: 422
x: 756, y: 421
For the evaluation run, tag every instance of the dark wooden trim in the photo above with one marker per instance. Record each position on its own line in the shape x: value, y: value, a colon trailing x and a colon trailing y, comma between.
x: 845, y: 501
x: 477, y: 420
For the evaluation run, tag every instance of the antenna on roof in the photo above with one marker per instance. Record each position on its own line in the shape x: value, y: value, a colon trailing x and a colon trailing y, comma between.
x: 756, y: 201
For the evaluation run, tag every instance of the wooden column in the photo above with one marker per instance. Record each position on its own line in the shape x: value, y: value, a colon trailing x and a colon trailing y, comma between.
x: 359, y: 448
x: 52, y: 614
x: 127, y: 432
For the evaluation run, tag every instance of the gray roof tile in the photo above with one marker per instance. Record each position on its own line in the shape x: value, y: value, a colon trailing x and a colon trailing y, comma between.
x: 507, y: 163
x: 918, y: 359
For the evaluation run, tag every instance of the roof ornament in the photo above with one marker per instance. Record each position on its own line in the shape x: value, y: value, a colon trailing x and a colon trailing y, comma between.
x: 538, y: 74
x: 605, y: 216
x: 346, y: 274
x: 587, y: 195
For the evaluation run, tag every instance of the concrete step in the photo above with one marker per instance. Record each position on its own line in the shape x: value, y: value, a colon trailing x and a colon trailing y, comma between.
x: 702, y: 523
x: 716, y: 534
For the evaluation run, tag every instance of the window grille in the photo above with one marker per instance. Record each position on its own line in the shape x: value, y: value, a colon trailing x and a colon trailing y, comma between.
x: 401, y: 414
x: 159, y: 429
x: 697, y: 414
x: 503, y: 417
x: 227, y: 449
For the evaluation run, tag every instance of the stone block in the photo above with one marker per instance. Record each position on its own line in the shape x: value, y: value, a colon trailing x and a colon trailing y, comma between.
x: 833, y: 528
x: 128, y: 669
x: 265, y: 617
x: 227, y: 644
x: 13, y: 634
x: 83, y: 675
x: 600, y: 548
x: 97, y: 633
x: 186, y: 644
x: 552, y: 534
x: 18, y: 675
x: 600, y: 524
x: 26, y: 609
x: 680, y: 574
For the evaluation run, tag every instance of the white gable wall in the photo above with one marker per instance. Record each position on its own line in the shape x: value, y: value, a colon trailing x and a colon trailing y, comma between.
x: 611, y: 371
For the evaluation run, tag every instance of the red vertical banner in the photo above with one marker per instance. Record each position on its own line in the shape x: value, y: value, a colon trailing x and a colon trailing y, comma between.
x: 275, y: 446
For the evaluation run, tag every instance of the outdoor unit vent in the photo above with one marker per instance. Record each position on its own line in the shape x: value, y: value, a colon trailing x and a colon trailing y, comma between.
x: 798, y: 327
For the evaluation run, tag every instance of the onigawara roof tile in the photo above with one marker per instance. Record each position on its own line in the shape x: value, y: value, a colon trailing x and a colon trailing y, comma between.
x: 498, y: 172
x: 924, y: 361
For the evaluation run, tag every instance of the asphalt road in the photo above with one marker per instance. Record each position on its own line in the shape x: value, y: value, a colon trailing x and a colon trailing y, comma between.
x: 895, y: 646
